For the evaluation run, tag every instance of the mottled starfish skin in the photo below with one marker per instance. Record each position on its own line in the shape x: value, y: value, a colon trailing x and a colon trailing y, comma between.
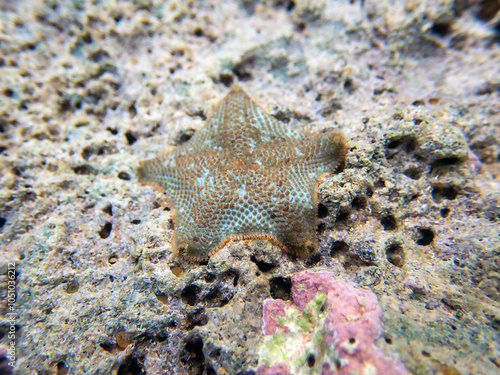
x: 244, y: 175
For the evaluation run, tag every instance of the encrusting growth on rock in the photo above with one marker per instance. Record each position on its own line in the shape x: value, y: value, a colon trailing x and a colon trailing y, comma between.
x: 244, y: 175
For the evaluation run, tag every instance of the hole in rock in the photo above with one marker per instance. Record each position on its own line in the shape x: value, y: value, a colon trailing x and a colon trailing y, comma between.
x: 262, y: 265
x: 449, y: 192
x: 359, y: 202
x: 61, y: 368
x: 196, y: 318
x: 124, y: 176
x: 395, y: 254
x: 412, y: 172
x: 444, y: 212
x: 444, y: 162
x: 311, y: 360
x: 426, y: 237
x: 322, y: 211
x: 108, y: 210
x: 339, y: 248
x: 441, y: 28
x: 193, y: 357
x: 389, y: 222
x: 281, y: 288
x: 105, y: 230
x: 190, y: 295
x: 132, y: 366
x: 131, y: 139
x: 227, y: 79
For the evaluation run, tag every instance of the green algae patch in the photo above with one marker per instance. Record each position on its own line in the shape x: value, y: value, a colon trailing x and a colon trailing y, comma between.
x: 301, y: 344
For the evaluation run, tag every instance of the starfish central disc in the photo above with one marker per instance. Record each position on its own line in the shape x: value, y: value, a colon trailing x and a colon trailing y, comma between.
x: 244, y: 175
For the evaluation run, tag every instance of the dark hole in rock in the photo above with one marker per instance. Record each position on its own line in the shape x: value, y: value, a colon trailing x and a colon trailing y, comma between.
x: 113, y: 259
x: 441, y: 28
x: 388, y: 340
x: 132, y: 366
x: 135, y: 221
x: 426, y: 237
x: 413, y: 172
x: 263, y: 266
x: 106, y: 347
x: 2, y: 222
x: 389, y: 222
x: 193, y: 357
x: 311, y: 360
x: 426, y: 354
x: 131, y: 139
x: 349, y: 85
x: 72, y: 287
x: 408, y: 144
x: 380, y: 183
x: 352, y: 259
x: 198, y: 31
x: 339, y: 248
x: 287, y: 4
x: 343, y: 215
x: 132, y: 109
x: 444, y: 162
x: 359, y: 202
x: 369, y: 192
x: 395, y: 254
x: 196, y: 318
x: 418, y: 103
x: 61, y: 368
x: 394, y: 144
x: 112, y: 131
x: 87, y: 152
x: 444, y: 212
x: 184, y: 135
x: 284, y: 116
x: 124, y: 176
x: 210, y: 278
x: 321, y: 228
x: 488, y: 9
x: 232, y: 275
x: 281, y: 288
x: 313, y: 259
x: 301, y: 26
x: 191, y: 295
x: 209, y: 370
x: 445, y: 192
x: 105, y: 230
x: 108, y: 210
x: 242, y: 70
x: 219, y: 297
x: 352, y: 340
x: 8, y: 92
x: 84, y: 170
x: 2, y: 148
x: 227, y: 79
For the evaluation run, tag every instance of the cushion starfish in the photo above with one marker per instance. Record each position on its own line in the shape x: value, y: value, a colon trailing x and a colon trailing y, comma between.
x: 244, y: 175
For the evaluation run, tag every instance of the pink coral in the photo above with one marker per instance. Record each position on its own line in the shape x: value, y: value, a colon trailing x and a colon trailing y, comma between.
x: 352, y: 322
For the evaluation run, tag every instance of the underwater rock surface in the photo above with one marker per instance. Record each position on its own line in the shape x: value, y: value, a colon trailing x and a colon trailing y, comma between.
x: 88, y: 89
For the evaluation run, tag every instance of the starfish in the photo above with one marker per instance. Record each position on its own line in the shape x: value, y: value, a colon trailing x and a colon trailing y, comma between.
x: 244, y: 175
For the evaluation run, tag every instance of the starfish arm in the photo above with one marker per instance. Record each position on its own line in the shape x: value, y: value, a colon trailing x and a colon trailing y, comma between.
x: 324, y: 153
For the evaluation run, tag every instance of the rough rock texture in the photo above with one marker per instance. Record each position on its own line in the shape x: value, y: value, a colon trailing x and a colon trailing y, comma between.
x: 89, y: 88
x: 328, y: 328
